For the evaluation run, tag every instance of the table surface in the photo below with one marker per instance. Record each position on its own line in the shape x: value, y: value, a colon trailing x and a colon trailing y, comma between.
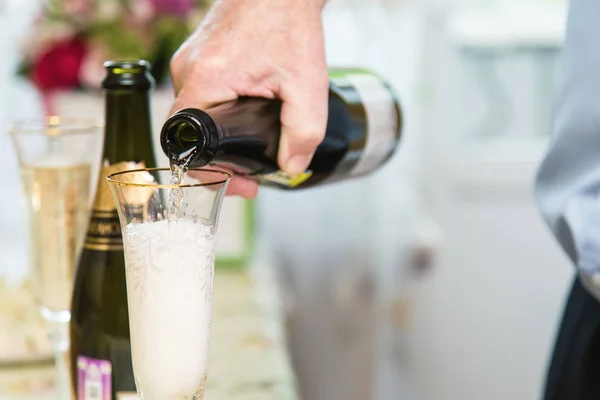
x: 246, y: 361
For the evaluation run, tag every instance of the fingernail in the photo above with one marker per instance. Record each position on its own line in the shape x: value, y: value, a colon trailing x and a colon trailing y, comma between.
x: 297, y: 164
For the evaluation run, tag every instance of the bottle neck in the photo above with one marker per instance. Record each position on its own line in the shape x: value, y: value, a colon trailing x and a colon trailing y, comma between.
x: 128, y: 128
x: 243, y: 133
x: 191, y: 138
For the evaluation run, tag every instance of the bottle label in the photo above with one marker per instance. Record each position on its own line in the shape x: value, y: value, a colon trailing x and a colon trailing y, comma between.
x: 104, y: 230
x: 285, y: 179
x: 93, y: 379
x: 382, y: 121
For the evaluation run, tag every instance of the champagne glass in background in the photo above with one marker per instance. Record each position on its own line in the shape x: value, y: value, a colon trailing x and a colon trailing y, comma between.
x: 168, y: 236
x: 55, y: 156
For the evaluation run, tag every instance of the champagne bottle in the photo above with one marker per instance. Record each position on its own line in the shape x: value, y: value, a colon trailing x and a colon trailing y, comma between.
x: 100, y: 347
x: 363, y: 130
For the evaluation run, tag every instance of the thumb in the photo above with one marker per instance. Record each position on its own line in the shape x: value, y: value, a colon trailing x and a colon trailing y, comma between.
x: 303, y: 123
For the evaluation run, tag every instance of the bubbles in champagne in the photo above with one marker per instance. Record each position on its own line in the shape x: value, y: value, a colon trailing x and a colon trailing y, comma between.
x: 57, y: 193
x: 177, y: 173
x: 175, y: 194
x: 170, y: 272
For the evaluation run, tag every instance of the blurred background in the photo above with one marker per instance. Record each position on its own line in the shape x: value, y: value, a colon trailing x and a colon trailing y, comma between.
x: 433, y: 279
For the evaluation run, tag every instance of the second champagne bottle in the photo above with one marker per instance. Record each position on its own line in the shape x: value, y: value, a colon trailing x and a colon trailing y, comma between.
x: 363, y: 131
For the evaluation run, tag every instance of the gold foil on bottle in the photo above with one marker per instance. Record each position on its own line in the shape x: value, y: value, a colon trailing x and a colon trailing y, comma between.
x: 104, y: 199
x: 136, y: 196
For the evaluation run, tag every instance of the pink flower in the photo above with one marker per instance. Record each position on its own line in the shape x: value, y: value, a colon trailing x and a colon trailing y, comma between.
x: 75, y: 8
x: 143, y: 11
x: 179, y: 8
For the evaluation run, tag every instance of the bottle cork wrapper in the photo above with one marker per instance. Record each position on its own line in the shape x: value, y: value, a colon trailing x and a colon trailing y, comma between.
x: 134, y: 195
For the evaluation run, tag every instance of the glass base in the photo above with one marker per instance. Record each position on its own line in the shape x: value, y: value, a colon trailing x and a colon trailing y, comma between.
x: 59, y: 337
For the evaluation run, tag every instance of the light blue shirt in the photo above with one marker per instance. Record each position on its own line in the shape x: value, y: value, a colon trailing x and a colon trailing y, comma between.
x: 568, y: 182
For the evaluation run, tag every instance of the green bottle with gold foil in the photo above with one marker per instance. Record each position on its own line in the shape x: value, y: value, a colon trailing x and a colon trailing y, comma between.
x: 100, y: 358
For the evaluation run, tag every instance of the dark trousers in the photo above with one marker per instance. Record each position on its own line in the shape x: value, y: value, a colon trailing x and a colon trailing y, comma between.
x: 574, y: 372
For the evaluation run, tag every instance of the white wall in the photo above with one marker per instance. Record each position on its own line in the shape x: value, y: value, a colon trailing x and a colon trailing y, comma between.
x: 487, y: 316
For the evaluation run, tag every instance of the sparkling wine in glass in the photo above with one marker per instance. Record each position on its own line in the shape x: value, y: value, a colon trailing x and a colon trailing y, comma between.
x: 55, y: 156
x: 168, y: 226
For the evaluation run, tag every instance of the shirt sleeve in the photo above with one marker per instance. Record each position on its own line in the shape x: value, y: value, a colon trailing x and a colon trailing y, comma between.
x: 567, y: 185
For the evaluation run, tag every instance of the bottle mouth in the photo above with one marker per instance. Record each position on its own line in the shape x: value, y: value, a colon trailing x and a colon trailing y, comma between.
x: 128, y: 65
x: 128, y: 74
x: 180, y: 138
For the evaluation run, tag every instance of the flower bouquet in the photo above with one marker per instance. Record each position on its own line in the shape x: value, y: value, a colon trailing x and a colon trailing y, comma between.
x: 71, y: 39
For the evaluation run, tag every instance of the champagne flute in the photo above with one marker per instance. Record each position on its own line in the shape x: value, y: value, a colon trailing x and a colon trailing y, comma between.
x: 168, y: 236
x: 55, y: 156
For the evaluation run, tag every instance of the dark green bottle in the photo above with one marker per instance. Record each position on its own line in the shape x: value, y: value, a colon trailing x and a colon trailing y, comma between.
x: 100, y: 347
x: 363, y: 131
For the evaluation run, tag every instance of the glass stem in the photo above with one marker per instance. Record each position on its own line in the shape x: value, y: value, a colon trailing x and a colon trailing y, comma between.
x: 60, y: 342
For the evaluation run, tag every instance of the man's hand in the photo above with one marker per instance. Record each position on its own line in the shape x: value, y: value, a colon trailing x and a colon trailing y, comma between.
x: 267, y: 48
